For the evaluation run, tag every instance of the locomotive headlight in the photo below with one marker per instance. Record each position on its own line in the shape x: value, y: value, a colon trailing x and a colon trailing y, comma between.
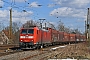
x: 22, y: 36
x: 21, y: 40
x: 30, y: 37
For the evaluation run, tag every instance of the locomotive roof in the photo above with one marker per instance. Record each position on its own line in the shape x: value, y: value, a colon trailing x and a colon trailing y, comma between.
x: 43, y: 29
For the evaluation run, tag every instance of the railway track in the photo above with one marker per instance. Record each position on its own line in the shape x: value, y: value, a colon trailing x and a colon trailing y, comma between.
x: 71, y: 51
x: 51, y: 52
x: 33, y: 53
x: 5, y: 49
x: 42, y: 54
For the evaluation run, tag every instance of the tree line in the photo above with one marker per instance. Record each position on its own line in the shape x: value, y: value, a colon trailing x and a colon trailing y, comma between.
x: 16, y: 28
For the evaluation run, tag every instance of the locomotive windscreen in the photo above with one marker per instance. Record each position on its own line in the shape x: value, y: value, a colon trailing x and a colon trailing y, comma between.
x: 27, y: 31
x: 30, y: 31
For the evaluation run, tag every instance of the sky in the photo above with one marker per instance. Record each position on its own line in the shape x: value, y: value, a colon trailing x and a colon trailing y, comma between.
x: 72, y: 13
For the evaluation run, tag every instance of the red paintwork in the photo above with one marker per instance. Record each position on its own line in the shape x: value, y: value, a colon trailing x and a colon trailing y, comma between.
x: 61, y: 36
x: 72, y: 37
x: 39, y: 35
x: 77, y: 37
x: 54, y: 35
x: 66, y: 37
x: 26, y: 39
x: 50, y: 36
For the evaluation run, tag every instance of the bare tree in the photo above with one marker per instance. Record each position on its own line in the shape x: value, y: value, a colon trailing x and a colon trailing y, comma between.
x: 66, y: 29
x: 15, y: 31
x: 51, y: 25
x: 60, y: 26
x: 29, y: 23
x: 1, y: 26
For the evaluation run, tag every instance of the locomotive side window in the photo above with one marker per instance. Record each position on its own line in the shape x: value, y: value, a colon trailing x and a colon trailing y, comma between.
x: 30, y: 31
x: 24, y: 31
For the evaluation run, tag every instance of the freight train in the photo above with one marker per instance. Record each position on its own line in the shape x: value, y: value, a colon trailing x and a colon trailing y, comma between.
x: 36, y: 37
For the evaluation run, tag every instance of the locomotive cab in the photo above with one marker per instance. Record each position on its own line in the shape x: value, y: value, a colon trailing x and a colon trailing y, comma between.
x: 26, y: 37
